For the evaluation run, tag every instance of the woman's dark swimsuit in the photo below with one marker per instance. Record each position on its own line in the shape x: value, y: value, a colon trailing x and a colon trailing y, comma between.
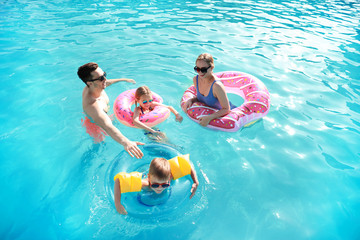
x: 210, y: 100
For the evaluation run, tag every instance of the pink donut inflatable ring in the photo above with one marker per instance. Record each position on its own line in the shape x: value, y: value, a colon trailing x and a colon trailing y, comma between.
x: 122, y: 110
x: 256, y: 102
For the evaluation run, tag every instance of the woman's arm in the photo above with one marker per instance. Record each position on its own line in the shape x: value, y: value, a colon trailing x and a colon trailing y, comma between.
x: 190, y: 101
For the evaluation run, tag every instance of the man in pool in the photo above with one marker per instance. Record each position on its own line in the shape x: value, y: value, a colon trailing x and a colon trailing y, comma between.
x: 95, y: 103
x: 161, y: 172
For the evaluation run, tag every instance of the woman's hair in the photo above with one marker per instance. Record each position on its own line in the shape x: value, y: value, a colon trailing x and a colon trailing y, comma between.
x: 84, y: 72
x: 207, y: 58
x: 160, y: 168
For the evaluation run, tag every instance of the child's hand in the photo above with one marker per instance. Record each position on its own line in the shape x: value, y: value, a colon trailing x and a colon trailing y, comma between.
x: 179, y: 118
x: 159, y: 135
x: 120, y: 208
x: 193, y: 189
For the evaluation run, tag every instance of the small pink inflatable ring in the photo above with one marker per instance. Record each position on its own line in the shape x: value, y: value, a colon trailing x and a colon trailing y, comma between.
x: 256, y: 102
x: 122, y: 110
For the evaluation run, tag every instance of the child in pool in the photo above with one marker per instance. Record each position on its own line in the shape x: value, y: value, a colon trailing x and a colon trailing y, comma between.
x: 161, y: 172
x: 143, y: 97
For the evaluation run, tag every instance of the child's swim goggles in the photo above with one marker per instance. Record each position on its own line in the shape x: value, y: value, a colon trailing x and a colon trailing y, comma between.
x: 163, y: 185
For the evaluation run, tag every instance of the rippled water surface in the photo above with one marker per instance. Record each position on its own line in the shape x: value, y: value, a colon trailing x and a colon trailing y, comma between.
x: 292, y: 175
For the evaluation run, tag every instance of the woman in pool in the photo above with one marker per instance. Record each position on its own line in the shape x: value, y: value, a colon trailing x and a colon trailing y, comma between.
x: 208, y: 90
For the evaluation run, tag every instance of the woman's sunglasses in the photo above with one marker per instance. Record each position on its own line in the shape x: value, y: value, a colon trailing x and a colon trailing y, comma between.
x: 163, y: 185
x: 145, y: 102
x: 102, y: 78
x: 203, y: 70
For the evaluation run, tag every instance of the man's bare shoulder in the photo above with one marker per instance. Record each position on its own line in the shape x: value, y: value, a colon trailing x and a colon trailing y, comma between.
x: 88, y: 102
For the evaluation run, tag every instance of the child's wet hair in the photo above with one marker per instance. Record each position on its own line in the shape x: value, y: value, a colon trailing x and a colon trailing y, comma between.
x: 160, y: 168
x: 140, y: 91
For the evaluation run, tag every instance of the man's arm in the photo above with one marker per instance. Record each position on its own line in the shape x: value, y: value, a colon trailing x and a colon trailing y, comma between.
x: 111, y: 81
x: 104, y: 121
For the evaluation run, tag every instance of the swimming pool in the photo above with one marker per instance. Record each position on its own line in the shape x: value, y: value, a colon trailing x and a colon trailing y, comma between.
x: 294, y: 174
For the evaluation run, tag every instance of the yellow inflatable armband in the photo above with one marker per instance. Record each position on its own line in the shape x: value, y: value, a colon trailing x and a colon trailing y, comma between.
x: 180, y: 166
x: 129, y: 182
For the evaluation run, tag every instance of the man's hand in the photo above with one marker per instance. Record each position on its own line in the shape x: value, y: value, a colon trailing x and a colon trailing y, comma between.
x: 132, y: 148
x: 130, y: 80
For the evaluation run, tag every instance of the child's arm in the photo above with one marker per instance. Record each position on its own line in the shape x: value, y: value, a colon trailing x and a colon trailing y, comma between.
x: 178, y: 117
x: 137, y: 123
x: 181, y: 166
x: 195, y: 184
x: 117, y: 198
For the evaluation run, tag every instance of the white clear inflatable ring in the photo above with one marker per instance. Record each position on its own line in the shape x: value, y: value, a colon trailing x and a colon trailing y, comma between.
x: 147, y: 204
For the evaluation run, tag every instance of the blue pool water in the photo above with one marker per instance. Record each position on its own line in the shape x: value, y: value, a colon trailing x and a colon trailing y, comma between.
x: 293, y: 175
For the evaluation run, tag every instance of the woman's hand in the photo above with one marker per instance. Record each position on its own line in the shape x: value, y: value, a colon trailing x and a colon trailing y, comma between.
x: 204, y: 121
x: 187, y: 104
